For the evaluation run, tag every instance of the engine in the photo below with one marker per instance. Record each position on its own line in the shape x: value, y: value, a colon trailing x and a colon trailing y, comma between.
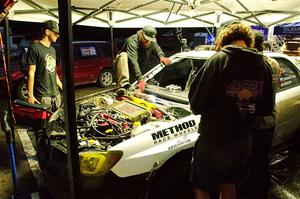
x: 106, y: 120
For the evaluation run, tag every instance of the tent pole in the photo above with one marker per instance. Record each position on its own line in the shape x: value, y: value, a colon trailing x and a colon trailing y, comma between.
x: 284, y: 19
x: 7, y: 58
x: 111, y: 35
x: 112, y: 41
x: 66, y: 49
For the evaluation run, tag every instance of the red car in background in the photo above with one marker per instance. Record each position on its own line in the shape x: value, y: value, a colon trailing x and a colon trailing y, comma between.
x: 92, y: 64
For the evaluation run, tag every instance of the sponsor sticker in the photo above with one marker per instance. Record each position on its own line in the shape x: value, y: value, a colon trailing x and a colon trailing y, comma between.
x: 174, y: 131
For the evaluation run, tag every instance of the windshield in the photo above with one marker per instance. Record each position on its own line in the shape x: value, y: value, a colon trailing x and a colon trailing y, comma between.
x: 180, y: 73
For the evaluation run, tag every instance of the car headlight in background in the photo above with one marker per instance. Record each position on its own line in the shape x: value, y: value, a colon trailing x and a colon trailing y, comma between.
x: 97, y: 163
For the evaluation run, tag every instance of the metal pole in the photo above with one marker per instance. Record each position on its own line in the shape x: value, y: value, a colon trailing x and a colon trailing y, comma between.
x: 112, y: 43
x: 112, y: 37
x: 7, y: 128
x: 8, y: 73
x: 66, y: 49
x: 7, y: 45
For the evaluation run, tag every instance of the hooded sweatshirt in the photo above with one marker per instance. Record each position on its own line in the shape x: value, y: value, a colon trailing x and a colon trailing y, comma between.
x: 231, y: 89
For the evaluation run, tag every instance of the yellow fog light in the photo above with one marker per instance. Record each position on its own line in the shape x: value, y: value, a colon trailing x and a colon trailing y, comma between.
x: 97, y: 163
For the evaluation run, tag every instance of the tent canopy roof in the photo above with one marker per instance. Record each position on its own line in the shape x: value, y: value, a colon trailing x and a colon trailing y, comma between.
x: 162, y: 13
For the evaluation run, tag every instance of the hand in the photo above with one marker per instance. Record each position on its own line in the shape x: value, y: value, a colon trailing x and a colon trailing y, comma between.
x: 165, y: 60
x: 32, y: 100
x: 141, y: 85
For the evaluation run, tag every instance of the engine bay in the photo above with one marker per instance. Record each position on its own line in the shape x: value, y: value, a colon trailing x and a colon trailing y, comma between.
x: 107, y: 119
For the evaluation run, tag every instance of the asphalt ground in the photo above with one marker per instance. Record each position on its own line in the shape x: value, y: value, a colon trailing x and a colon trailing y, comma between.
x: 285, y: 167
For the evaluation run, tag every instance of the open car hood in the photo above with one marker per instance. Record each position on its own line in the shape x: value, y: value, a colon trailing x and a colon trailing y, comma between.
x: 158, y: 68
x: 175, y: 58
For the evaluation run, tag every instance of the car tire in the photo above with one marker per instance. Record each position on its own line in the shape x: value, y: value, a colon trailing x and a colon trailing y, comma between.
x: 105, y: 78
x: 172, y: 180
x: 22, y: 92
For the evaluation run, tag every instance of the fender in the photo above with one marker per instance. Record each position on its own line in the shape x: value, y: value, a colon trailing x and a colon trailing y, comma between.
x: 156, y: 146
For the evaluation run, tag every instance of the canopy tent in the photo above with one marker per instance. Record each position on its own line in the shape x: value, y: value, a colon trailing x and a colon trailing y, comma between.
x: 162, y: 13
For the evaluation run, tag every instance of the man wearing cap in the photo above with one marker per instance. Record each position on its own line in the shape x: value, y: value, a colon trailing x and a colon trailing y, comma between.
x: 136, y: 51
x: 43, y: 81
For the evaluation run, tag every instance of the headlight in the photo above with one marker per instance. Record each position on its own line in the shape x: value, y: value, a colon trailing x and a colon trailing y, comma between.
x: 97, y: 163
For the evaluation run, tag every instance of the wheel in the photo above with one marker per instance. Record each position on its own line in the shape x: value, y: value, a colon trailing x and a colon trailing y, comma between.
x: 105, y: 78
x: 22, y: 92
x: 172, y: 180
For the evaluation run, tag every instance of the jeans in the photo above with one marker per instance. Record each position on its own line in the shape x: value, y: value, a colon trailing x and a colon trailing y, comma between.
x: 121, y: 68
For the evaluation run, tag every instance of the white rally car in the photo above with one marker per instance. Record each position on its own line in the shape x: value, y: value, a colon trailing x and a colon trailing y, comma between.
x: 146, y: 139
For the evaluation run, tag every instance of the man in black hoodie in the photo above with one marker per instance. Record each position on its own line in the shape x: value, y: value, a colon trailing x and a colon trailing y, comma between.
x: 230, y: 91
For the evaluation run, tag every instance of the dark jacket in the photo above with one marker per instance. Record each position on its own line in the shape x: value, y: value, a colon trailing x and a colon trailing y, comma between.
x: 269, y: 121
x: 137, y: 55
x: 230, y: 91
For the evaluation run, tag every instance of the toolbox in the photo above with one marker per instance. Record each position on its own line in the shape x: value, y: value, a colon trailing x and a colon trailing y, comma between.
x: 31, y: 115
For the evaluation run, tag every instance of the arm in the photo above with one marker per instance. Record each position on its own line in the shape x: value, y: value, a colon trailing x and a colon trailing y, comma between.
x: 203, y: 89
x: 157, y: 50
x: 160, y: 54
x: 269, y: 89
x: 31, y: 72
x: 58, y: 82
x: 275, y: 68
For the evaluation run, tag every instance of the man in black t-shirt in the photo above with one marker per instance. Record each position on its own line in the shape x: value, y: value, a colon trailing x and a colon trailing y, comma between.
x: 43, y: 81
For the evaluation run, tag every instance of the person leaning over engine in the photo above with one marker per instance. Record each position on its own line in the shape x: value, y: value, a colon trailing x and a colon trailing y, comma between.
x: 131, y: 62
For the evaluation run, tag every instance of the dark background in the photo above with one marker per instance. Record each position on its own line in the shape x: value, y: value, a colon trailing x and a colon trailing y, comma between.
x: 168, y: 38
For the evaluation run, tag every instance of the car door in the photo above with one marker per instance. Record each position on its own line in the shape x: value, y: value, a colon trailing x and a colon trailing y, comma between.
x: 86, y: 63
x: 105, y: 61
x: 287, y: 101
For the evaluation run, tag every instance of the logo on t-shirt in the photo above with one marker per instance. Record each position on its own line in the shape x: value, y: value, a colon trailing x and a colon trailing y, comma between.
x: 246, y: 92
x: 50, y: 63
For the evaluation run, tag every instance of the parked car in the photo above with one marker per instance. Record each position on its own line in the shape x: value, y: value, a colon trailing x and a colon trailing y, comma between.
x: 148, y: 138
x: 14, y: 68
x: 92, y: 63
